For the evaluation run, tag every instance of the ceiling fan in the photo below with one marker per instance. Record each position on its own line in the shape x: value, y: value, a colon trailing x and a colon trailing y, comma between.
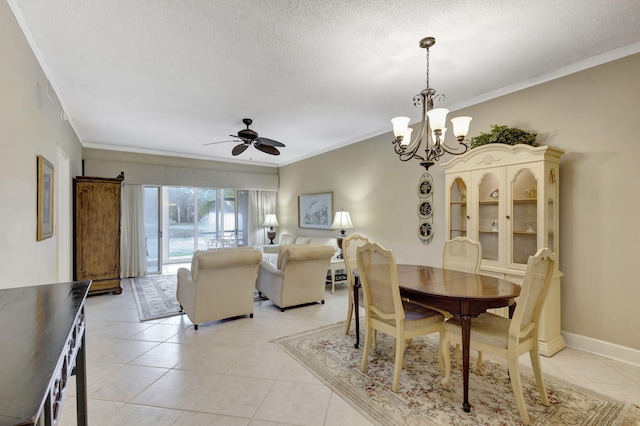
x: 249, y: 137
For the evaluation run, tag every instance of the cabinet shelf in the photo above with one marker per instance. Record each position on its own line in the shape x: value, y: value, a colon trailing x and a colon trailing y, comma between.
x: 525, y: 233
x: 525, y: 201
x: 488, y: 202
x: 489, y: 231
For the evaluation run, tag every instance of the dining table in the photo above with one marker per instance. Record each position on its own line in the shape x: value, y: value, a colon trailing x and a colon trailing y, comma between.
x: 462, y: 294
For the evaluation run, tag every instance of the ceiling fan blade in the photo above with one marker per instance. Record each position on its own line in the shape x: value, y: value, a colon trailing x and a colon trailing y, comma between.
x: 267, y: 148
x: 269, y: 142
x: 239, y: 149
x: 214, y: 143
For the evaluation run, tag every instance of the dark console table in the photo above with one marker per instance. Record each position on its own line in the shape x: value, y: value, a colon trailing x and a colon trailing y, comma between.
x: 42, y: 343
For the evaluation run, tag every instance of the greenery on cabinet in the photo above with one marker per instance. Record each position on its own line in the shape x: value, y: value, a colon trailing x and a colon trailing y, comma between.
x: 506, y: 135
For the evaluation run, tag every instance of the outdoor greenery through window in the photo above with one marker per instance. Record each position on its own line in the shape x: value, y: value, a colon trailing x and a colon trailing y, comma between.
x: 196, y: 219
x: 205, y: 218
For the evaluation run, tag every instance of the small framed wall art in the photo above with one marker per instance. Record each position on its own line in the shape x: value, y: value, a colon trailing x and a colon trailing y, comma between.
x: 315, y: 210
x: 45, y: 199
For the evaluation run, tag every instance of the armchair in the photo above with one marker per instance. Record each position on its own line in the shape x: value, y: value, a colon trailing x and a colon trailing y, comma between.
x: 299, y: 276
x: 219, y: 285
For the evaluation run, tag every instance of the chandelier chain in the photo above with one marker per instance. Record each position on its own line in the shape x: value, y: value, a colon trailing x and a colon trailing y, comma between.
x: 427, y: 67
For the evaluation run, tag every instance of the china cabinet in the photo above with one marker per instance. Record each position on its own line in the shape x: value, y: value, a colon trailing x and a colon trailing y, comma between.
x: 506, y: 197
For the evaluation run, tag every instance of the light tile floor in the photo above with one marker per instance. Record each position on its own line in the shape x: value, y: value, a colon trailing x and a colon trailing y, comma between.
x: 229, y: 373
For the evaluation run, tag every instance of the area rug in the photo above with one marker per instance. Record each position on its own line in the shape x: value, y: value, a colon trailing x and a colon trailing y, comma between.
x: 421, y: 400
x: 155, y: 296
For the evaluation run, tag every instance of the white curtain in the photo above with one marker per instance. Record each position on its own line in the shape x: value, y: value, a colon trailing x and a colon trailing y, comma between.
x: 133, y: 247
x: 260, y: 204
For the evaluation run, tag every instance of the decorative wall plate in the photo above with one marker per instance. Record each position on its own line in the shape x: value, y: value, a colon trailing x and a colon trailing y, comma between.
x: 426, y: 229
x: 425, y: 187
x: 425, y: 209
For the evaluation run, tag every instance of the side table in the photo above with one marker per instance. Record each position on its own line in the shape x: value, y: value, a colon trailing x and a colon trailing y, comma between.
x: 335, y: 265
x: 270, y: 248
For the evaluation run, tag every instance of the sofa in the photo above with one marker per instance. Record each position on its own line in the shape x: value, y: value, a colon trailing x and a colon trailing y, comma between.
x: 271, y: 250
x: 298, y: 277
x: 220, y: 284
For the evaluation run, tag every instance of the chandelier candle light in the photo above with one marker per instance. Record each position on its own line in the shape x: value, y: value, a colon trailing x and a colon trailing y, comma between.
x: 341, y: 221
x: 432, y: 130
x: 270, y: 221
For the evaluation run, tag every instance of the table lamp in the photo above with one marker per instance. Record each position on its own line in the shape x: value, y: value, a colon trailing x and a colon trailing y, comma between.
x: 270, y: 221
x: 341, y: 221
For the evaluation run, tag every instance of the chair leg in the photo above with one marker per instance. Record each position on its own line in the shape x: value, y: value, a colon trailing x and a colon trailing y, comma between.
x: 537, y: 371
x: 367, y: 345
x: 479, y: 363
x: 440, y: 351
x: 195, y: 326
x: 516, y: 385
x: 398, y: 362
x: 444, y: 349
x: 349, y: 314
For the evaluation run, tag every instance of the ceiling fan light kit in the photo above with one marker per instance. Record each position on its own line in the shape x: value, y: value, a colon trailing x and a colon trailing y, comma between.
x: 250, y: 137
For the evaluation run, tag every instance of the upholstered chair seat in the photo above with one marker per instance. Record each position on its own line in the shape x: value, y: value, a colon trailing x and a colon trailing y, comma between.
x: 299, y: 276
x: 511, y: 338
x: 220, y: 284
x: 387, y: 312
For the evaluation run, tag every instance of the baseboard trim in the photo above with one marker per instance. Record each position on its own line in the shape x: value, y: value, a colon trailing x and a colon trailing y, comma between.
x: 602, y: 348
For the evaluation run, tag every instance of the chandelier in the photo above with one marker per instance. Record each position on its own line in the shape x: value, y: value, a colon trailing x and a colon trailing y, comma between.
x: 432, y: 128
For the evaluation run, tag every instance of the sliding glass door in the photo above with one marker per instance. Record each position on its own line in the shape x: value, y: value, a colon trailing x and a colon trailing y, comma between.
x: 202, y: 219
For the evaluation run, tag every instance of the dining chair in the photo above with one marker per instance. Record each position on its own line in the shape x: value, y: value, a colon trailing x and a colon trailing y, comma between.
x: 386, y: 311
x: 462, y: 254
x: 349, y: 251
x: 510, y: 338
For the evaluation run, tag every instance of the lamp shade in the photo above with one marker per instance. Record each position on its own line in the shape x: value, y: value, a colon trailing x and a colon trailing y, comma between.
x: 342, y: 220
x: 400, y: 125
x: 437, y: 118
x: 461, y: 125
x: 270, y: 220
x: 407, y: 137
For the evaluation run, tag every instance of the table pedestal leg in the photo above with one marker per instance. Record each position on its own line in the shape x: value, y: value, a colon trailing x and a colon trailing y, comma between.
x: 356, y: 285
x: 466, y: 342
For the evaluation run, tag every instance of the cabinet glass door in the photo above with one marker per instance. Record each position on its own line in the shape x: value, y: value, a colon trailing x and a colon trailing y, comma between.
x: 488, y: 216
x: 458, y: 209
x: 524, y: 216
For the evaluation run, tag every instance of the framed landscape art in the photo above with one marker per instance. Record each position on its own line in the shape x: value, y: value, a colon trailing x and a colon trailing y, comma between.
x: 315, y: 210
x: 45, y: 199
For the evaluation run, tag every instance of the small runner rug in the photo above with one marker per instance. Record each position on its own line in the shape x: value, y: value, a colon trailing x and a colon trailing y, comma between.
x: 421, y: 400
x: 155, y: 296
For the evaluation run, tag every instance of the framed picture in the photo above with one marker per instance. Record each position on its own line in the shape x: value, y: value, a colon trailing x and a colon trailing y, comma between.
x: 45, y: 198
x: 315, y: 210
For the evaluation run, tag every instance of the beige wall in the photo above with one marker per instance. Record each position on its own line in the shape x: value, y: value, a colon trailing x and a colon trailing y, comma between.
x: 27, y: 130
x: 593, y: 115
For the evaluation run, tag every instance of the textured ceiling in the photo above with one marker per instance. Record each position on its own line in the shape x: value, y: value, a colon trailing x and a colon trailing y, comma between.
x: 166, y: 77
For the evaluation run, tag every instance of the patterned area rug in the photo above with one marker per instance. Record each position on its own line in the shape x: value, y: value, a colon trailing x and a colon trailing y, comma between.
x: 421, y: 400
x: 156, y: 296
